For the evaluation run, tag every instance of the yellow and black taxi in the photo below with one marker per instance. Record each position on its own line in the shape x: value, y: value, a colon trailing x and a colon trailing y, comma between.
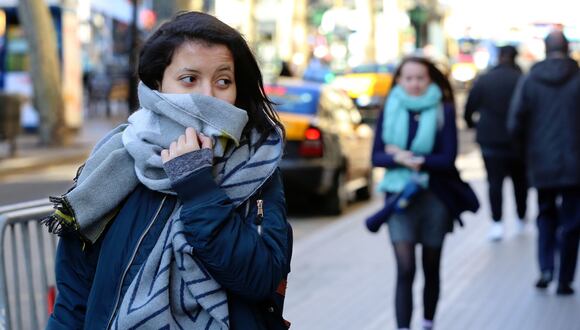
x: 368, y: 86
x: 328, y: 148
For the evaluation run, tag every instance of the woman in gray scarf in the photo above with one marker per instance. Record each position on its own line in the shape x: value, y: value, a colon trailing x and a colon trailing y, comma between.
x: 177, y: 219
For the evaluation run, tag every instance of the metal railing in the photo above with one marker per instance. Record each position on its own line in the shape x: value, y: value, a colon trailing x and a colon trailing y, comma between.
x: 27, y: 254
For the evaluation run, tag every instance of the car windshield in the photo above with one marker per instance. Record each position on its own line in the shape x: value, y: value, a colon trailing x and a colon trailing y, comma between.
x: 294, y: 99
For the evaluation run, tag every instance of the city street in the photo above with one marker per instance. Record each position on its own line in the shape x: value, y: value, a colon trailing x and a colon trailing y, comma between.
x: 343, y: 276
x: 296, y: 86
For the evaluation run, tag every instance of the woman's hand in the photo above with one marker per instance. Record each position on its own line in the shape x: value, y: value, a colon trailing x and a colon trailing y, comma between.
x: 392, y: 149
x: 188, y: 142
x: 415, y: 162
x: 408, y: 159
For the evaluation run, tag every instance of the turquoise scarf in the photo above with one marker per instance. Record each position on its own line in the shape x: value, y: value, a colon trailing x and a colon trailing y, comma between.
x: 398, y: 110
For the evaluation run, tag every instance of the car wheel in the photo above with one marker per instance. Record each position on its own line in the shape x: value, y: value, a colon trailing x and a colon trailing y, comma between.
x: 366, y: 192
x: 336, y: 200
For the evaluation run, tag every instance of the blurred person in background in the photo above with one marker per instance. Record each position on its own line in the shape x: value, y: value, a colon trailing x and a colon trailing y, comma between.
x: 544, y: 121
x: 285, y: 70
x: 416, y: 136
x: 490, y: 99
x: 198, y: 236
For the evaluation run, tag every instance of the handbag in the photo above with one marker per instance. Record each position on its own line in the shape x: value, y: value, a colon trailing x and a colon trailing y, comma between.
x: 456, y: 194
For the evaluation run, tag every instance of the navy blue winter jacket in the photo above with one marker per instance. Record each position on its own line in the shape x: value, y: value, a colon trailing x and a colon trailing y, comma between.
x: 444, y: 179
x: 490, y: 98
x: 250, y: 266
x: 544, y: 121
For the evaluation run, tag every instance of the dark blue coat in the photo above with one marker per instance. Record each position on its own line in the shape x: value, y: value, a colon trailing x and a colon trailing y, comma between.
x: 544, y: 122
x: 490, y: 97
x: 444, y: 179
x: 91, y: 283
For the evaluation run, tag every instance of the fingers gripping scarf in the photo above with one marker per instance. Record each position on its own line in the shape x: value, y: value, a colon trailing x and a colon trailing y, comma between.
x: 131, y: 154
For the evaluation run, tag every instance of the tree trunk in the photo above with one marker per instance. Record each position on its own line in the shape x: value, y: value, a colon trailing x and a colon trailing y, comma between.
x: 45, y: 70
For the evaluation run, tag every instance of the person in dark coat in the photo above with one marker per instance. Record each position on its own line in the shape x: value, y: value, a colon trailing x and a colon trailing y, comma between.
x: 416, y: 141
x: 490, y: 99
x: 178, y: 218
x: 544, y: 121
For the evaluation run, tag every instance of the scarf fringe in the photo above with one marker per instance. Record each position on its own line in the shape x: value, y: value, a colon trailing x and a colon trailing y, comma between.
x: 62, y: 221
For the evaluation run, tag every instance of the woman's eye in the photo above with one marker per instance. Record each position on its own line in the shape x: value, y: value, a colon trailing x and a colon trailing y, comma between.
x: 224, y: 82
x: 188, y: 79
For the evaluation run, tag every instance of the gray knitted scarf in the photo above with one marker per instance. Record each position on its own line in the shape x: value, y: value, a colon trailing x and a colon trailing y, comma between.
x: 131, y: 154
x: 172, y: 290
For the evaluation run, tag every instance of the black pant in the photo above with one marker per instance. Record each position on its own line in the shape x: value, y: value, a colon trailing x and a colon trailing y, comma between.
x: 499, y: 167
x: 405, y: 255
x: 559, y: 229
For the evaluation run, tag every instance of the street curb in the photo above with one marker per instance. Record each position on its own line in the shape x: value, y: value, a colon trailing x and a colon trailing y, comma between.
x: 21, y: 165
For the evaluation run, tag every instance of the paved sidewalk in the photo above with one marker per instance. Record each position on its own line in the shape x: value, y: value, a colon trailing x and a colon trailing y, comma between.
x: 343, y: 277
x: 32, y: 156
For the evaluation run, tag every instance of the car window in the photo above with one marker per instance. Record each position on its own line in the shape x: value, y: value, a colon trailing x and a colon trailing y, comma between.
x: 327, y: 105
x: 294, y: 99
x: 339, y: 105
x: 355, y: 116
x: 344, y: 108
x: 353, y: 113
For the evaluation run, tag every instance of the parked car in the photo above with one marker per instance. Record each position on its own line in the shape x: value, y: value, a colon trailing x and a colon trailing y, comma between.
x: 328, y: 148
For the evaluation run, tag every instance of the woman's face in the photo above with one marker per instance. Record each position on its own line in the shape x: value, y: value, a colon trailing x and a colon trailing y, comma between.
x: 203, y: 69
x: 414, y: 78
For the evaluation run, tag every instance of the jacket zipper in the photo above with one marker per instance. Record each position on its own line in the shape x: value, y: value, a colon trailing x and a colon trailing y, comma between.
x: 131, y: 261
x: 259, y: 215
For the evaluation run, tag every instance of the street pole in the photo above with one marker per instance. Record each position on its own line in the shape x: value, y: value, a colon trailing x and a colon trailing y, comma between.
x: 37, y: 23
x: 133, y: 101
x: 419, y: 16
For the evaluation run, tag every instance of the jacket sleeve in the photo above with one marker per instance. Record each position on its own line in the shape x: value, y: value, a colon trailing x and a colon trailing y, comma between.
x: 74, y: 277
x: 228, y: 244
x: 443, y: 157
x: 381, y: 158
x: 473, y: 103
x: 517, y: 115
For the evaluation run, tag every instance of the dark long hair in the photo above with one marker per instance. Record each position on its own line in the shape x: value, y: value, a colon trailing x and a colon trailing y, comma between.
x: 157, y: 53
x: 435, y: 74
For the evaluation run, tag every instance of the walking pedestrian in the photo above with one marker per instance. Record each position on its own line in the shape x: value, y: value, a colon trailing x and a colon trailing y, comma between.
x: 544, y: 120
x: 177, y: 219
x: 416, y: 140
x: 490, y: 99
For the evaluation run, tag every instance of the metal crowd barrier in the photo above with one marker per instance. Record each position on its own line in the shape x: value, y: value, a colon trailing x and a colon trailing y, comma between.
x: 27, y: 253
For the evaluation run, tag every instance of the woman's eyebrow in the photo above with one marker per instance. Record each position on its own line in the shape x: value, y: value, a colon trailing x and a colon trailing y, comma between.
x: 224, y: 67
x: 186, y: 69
